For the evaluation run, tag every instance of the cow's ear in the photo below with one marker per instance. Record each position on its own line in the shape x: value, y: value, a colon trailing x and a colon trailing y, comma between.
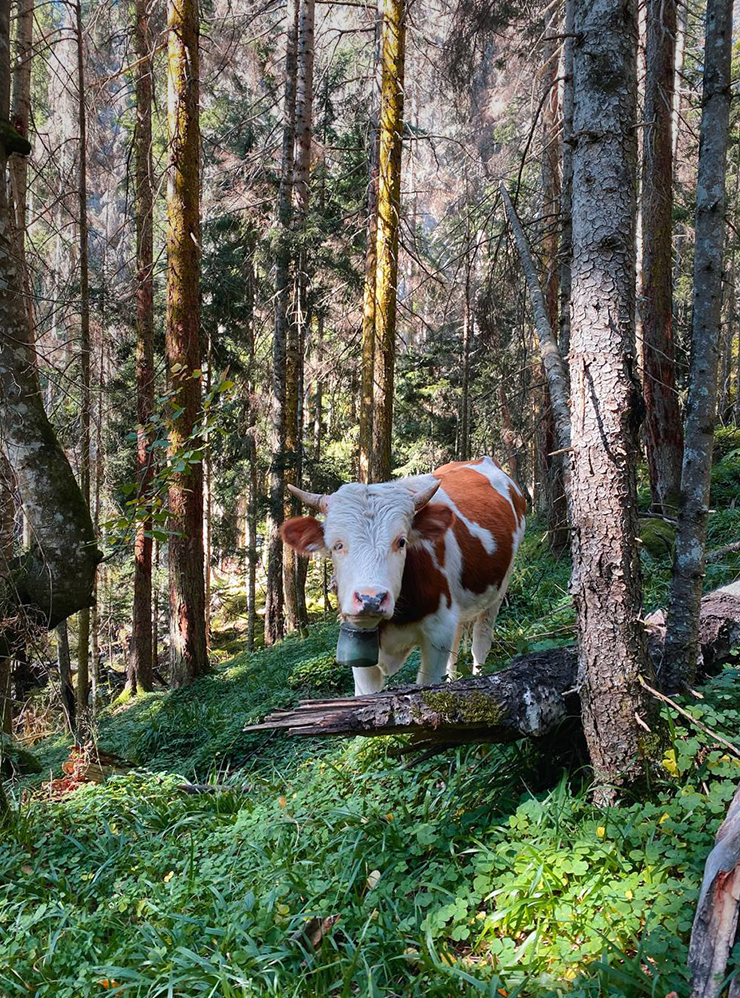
x: 304, y: 533
x: 431, y: 523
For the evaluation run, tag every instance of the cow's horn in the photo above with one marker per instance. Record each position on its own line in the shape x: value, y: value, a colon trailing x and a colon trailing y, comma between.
x: 422, y: 498
x: 314, y: 500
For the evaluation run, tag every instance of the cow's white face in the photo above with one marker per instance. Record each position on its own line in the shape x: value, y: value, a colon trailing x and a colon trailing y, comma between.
x: 367, y: 532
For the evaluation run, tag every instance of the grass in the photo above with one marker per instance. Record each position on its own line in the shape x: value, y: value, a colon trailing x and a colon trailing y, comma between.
x: 486, y: 871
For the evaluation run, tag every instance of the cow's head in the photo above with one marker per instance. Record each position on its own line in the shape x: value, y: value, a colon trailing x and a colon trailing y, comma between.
x: 367, y: 531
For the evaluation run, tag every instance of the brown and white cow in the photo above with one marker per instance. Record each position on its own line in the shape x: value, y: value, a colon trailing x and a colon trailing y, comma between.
x: 420, y: 557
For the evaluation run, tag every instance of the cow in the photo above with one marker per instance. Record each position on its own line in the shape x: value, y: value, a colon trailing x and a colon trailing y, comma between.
x: 418, y: 558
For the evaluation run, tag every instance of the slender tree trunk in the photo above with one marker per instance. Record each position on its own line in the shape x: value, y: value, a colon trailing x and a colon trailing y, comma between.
x: 389, y: 216
x: 7, y: 525
x: 293, y: 566
x: 274, y: 602
x: 681, y: 647
x: 464, y: 448
x: 83, y: 620
x: 605, y: 393
x: 64, y: 661
x: 662, y: 418
x: 551, y: 467
x: 188, y: 652
x: 371, y: 255
x: 566, y: 184
x: 141, y: 660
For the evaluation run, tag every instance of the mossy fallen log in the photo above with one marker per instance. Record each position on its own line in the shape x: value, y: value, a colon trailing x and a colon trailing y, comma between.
x: 531, y: 698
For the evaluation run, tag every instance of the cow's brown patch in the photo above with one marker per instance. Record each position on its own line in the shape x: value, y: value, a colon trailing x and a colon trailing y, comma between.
x: 431, y: 523
x: 422, y: 587
x: 455, y: 465
x: 477, y: 500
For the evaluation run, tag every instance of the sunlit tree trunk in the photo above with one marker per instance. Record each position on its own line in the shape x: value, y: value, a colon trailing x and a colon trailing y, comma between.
x: 141, y: 657
x: 662, y: 418
x: 274, y: 601
x: 367, y: 373
x: 681, y: 647
x: 188, y: 653
x: 389, y: 209
x: 566, y: 183
x: 83, y: 620
x: 293, y: 566
x: 605, y: 393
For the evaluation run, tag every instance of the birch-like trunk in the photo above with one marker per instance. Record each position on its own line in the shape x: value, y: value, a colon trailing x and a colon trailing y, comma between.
x: 605, y: 393
x: 662, y: 418
x: 188, y: 651
x: 688, y: 566
x: 389, y: 211
x: 141, y: 660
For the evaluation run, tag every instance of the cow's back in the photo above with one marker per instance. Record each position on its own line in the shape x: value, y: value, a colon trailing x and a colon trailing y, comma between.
x: 482, y: 541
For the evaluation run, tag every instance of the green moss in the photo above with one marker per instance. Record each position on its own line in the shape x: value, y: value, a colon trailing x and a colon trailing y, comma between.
x: 657, y: 537
x: 472, y: 707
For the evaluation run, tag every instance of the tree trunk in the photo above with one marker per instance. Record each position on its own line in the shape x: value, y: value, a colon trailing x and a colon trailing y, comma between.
x: 293, y: 574
x: 389, y: 216
x: 605, y: 394
x: 551, y: 467
x: 371, y: 257
x: 7, y: 532
x: 274, y: 603
x: 21, y: 116
x: 688, y: 564
x: 64, y: 662
x: 662, y: 418
x: 83, y: 619
x: 141, y: 660
x: 566, y: 184
x: 54, y: 578
x: 188, y: 653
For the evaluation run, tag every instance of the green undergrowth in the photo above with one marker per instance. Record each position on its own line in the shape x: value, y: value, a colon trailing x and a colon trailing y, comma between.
x: 482, y: 871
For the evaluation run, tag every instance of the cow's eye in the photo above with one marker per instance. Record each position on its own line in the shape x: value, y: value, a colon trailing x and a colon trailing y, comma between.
x: 338, y: 546
x: 401, y: 542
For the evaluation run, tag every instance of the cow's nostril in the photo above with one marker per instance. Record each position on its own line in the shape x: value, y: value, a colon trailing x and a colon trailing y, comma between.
x: 370, y: 601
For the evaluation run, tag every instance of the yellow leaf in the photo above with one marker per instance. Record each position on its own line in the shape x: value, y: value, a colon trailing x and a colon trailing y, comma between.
x: 601, y: 831
x: 169, y: 876
x: 669, y: 762
x: 664, y: 817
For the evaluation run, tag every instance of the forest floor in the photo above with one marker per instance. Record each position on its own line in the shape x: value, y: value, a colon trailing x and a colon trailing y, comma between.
x: 325, y: 868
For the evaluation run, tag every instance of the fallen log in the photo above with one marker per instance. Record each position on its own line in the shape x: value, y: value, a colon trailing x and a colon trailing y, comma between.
x: 531, y: 698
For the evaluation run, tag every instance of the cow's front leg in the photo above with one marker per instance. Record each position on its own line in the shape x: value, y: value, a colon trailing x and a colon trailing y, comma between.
x: 368, y: 679
x: 437, y: 643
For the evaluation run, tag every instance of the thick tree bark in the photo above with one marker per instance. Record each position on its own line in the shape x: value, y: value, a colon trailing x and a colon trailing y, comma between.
x: 274, y: 602
x: 55, y: 577
x: 141, y: 660
x: 367, y: 376
x: 7, y: 544
x: 83, y: 620
x: 606, y: 582
x: 188, y: 652
x: 688, y: 566
x: 529, y: 699
x: 389, y: 211
x: 662, y: 418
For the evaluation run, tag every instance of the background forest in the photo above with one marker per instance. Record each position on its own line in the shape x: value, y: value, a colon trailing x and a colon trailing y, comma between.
x: 250, y: 245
